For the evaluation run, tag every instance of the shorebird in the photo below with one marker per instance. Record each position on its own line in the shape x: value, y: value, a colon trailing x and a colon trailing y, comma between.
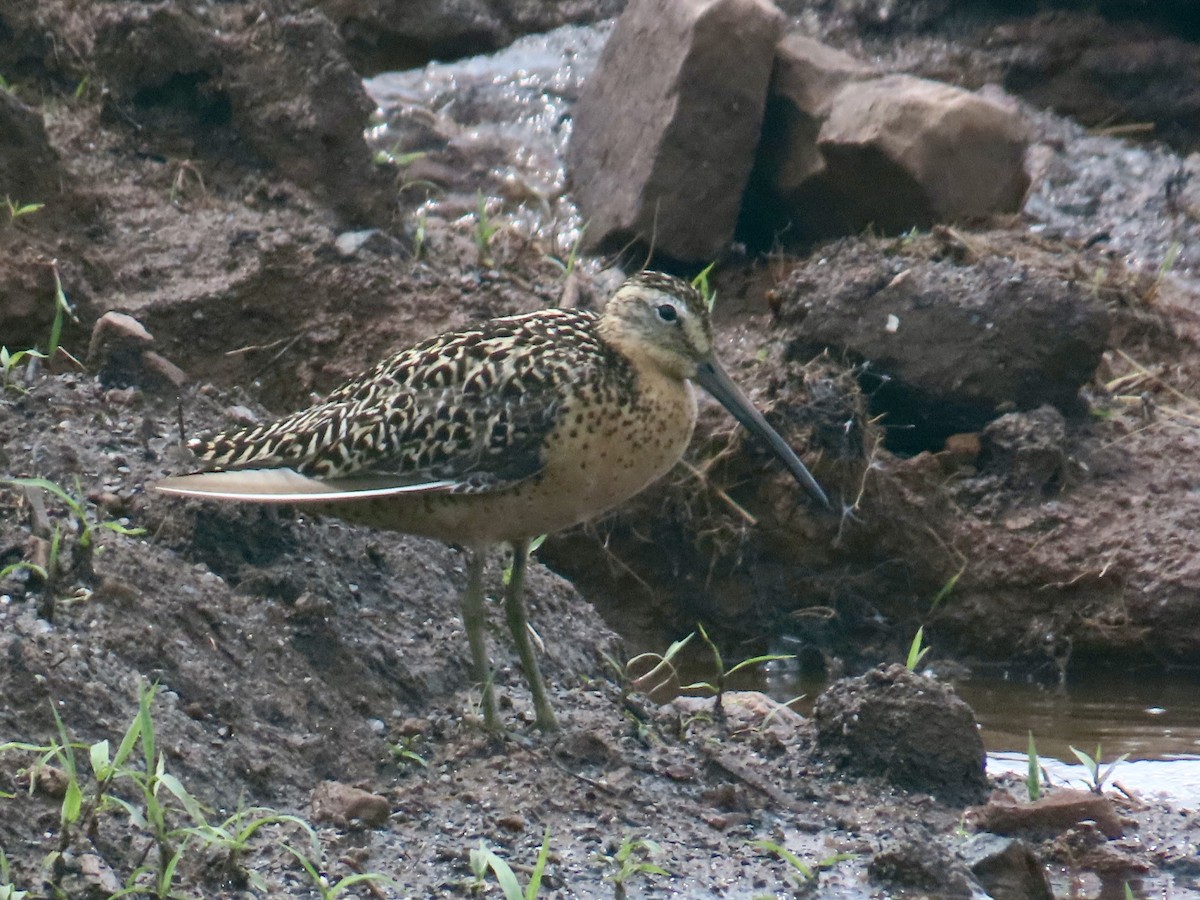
x: 496, y: 434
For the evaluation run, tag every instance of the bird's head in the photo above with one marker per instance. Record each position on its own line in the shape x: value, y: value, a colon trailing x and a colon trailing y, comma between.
x: 663, y: 320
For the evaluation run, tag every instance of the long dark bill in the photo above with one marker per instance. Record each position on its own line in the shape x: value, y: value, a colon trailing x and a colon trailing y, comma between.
x: 711, y: 377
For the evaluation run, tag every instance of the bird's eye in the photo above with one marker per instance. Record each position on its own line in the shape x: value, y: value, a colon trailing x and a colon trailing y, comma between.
x: 667, y: 312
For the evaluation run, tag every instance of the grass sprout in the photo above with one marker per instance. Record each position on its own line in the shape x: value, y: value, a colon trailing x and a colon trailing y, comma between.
x: 16, y: 208
x: 155, y: 802
x: 718, y: 685
x: 1033, y: 779
x: 485, y: 230
x: 631, y: 859
x: 700, y: 282
x: 916, y: 652
x: 1096, y: 770
x: 799, y: 871
x: 484, y: 859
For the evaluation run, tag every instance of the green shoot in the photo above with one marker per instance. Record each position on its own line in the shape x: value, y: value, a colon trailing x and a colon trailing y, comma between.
x: 392, y: 157
x: 718, y: 685
x: 533, y: 546
x: 1033, y: 779
x: 6, y: 86
x: 1169, y: 258
x: 16, y: 209
x: 946, y: 589
x: 10, y: 361
x: 700, y: 282
x: 661, y: 673
x: 61, y: 309
x: 572, y: 260
x: 72, y: 804
x: 916, y: 652
x: 1093, y: 766
x: 23, y: 566
x: 85, y: 523
x: 631, y: 859
x: 404, y: 753
x: 485, y: 230
x: 157, y: 799
x: 799, y: 872
x: 327, y: 891
x: 8, y: 890
x: 484, y: 858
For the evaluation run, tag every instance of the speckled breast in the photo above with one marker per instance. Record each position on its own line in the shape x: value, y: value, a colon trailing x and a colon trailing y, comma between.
x: 602, y: 452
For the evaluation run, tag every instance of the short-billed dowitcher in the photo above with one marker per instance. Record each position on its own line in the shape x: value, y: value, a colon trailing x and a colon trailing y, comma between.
x: 496, y: 434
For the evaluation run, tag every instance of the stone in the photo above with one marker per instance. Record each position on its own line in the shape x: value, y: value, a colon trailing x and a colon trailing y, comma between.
x: 300, y: 104
x: 665, y: 129
x: 912, y: 730
x: 119, y: 352
x: 916, y: 860
x: 806, y: 76
x: 1049, y: 815
x: 341, y: 804
x: 1006, y: 868
x: 746, y: 711
x: 903, y: 151
x: 948, y: 346
x: 282, y: 89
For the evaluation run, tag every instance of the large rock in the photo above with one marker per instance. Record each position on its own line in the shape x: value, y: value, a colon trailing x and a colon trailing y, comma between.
x: 843, y: 150
x: 906, y: 151
x: 665, y: 129
x: 806, y: 77
x: 948, y: 346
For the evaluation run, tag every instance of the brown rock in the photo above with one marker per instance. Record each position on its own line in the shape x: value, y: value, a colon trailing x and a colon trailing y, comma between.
x: 903, y: 151
x: 806, y: 76
x: 341, y: 804
x: 1007, y: 868
x: 512, y: 822
x: 1050, y: 815
x: 118, y: 350
x: 1029, y: 449
x: 114, y: 329
x: 282, y: 88
x: 666, y: 127
x: 746, y: 711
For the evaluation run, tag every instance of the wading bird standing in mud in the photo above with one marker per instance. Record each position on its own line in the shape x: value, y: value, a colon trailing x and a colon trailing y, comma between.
x: 518, y: 427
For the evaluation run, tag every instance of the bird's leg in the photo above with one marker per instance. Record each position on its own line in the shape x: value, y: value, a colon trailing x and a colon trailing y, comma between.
x: 514, y: 611
x: 473, y: 621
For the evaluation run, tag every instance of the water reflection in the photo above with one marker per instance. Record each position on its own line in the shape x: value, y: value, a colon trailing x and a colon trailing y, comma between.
x: 1148, y: 718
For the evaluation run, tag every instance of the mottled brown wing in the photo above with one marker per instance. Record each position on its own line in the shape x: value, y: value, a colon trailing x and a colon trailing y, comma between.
x: 464, y: 412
